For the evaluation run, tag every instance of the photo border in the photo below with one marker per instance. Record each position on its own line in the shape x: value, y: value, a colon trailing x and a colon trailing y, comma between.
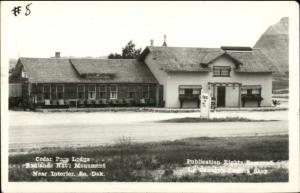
x: 291, y: 186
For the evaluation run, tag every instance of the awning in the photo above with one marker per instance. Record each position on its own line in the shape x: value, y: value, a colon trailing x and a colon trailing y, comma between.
x: 190, y: 87
x: 251, y: 86
x: 224, y: 83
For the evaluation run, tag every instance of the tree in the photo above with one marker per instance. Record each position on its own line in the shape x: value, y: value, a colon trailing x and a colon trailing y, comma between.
x: 114, y: 56
x: 128, y: 52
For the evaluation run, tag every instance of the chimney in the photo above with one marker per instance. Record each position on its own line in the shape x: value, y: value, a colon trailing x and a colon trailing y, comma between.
x: 57, y: 54
x: 165, y: 43
x: 151, y: 42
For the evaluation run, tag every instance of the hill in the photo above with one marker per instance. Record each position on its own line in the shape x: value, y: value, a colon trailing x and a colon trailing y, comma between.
x: 274, y: 43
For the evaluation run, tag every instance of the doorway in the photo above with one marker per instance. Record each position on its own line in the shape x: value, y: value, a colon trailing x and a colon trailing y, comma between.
x: 221, y: 91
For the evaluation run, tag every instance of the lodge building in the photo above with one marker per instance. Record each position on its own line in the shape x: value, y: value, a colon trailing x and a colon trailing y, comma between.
x: 162, y: 76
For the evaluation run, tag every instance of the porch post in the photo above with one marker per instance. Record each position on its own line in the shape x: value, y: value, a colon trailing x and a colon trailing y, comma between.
x: 157, y: 95
x: 29, y: 93
x: 76, y: 94
x: 29, y: 99
x: 240, y: 85
x: 35, y: 93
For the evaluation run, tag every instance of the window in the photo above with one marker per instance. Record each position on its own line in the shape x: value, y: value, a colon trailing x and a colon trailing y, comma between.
x: 251, y: 90
x: 24, y: 74
x: 131, y: 92
x: 190, y: 90
x: 113, y: 92
x: 255, y: 91
x: 181, y: 91
x: 60, y: 91
x: 53, y: 92
x: 196, y: 91
x: 244, y: 91
x: 80, y: 90
x: 146, y: 92
x: 92, y: 92
x: 46, y: 91
x: 40, y: 92
x: 102, y: 92
x: 221, y: 71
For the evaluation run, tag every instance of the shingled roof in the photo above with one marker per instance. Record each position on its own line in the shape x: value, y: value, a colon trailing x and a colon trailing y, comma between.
x: 192, y: 59
x: 55, y: 70
x: 182, y: 58
x: 123, y: 70
x: 252, y: 61
x: 170, y: 59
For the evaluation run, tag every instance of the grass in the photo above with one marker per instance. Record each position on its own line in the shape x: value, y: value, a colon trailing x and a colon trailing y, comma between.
x: 281, y: 176
x: 279, y: 83
x: 199, y: 119
x: 128, y: 161
x: 280, y: 96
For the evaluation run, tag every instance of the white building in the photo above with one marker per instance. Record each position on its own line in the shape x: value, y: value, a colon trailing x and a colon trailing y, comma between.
x: 162, y: 76
x: 233, y: 76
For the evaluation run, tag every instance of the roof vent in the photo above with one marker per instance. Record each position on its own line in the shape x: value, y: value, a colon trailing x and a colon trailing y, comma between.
x: 151, y: 42
x: 57, y: 54
x: 236, y: 48
x: 165, y: 42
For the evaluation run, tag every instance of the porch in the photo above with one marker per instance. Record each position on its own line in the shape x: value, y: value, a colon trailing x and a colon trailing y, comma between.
x: 72, y: 95
x: 235, y: 95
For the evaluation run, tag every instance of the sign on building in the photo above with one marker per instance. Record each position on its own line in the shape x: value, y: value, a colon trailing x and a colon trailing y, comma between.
x: 205, y: 105
x: 213, y: 104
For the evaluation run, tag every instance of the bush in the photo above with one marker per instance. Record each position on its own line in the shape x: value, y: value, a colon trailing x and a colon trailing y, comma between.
x: 276, y: 102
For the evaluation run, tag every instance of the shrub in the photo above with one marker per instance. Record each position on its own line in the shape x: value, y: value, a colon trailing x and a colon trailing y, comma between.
x: 276, y: 102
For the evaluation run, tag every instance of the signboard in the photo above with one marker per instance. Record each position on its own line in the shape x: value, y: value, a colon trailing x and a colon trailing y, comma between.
x: 213, y: 104
x: 205, y: 105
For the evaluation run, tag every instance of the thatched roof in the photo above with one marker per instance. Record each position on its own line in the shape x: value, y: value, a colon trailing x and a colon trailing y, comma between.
x: 123, y: 70
x: 48, y: 70
x: 170, y: 59
x: 252, y: 61
x: 55, y: 70
x: 184, y: 59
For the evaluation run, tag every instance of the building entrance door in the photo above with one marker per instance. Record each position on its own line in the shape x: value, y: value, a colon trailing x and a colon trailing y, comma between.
x: 221, y: 96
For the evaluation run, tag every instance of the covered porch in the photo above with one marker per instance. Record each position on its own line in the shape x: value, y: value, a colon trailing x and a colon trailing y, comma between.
x: 225, y: 94
x: 234, y: 94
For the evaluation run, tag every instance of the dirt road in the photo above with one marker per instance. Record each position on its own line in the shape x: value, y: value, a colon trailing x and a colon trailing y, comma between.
x: 30, y: 129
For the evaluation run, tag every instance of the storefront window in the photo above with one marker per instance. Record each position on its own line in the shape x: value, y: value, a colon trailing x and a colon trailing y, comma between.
x: 92, y: 91
x: 80, y: 90
x: 60, y: 91
x: 46, y: 91
x: 102, y: 92
x: 131, y: 92
x: 113, y: 92
x: 146, y: 92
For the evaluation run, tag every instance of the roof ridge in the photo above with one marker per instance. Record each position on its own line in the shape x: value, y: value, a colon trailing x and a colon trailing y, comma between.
x: 166, y: 47
x: 41, y: 58
x: 103, y: 59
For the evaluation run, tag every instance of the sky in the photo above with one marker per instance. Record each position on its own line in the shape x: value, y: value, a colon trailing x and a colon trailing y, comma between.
x: 97, y: 29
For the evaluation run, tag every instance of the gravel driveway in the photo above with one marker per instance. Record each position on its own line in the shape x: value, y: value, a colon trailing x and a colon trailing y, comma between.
x: 32, y: 129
